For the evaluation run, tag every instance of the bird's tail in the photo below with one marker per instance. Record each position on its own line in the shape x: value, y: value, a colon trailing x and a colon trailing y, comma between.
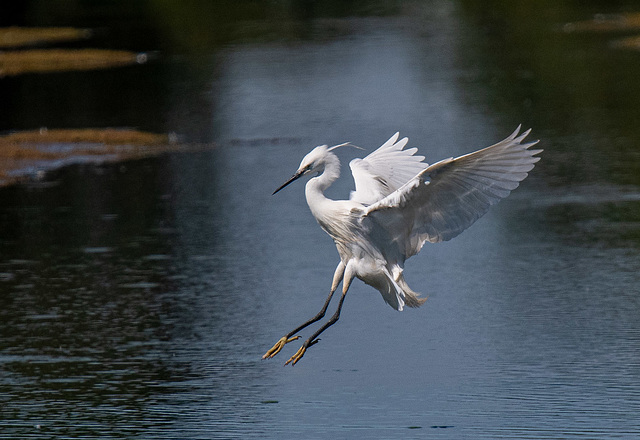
x: 395, y: 290
x: 411, y: 298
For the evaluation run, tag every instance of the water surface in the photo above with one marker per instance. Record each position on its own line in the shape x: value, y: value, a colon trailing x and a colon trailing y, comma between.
x: 136, y: 299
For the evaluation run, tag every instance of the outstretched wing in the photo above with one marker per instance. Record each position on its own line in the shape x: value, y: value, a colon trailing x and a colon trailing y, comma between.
x: 385, y: 170
x: 449, y: 196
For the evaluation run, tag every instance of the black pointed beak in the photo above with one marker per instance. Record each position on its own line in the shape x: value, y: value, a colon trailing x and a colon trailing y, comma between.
x: 294, y: 177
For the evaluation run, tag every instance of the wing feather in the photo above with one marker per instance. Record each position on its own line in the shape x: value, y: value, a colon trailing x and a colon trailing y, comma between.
x: 449, y: 196
x: 385, y: 170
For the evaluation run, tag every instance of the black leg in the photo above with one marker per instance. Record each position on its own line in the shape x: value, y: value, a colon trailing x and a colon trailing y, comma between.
x: 314, y: 338
x: 316, y: 318
x: 337, y: 277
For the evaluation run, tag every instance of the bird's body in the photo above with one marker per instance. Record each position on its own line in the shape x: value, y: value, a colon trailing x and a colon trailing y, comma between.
x: 362, y: 245
x: 400, y: 202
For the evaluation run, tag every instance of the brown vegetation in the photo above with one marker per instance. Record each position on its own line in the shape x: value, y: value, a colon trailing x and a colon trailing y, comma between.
x: 23, y: 150
x: 59, y: 60
x: 606, y: 23
x: 14, y: 36
x: 108, y: 136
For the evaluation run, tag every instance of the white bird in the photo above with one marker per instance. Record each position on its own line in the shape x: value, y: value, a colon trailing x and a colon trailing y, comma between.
x: 401, y: 202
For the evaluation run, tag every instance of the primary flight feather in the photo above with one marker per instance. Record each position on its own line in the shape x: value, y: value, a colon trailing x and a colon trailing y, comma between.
x: 400, y: 202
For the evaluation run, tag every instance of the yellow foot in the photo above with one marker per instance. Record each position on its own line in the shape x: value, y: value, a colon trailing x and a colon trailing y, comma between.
x: 278, y: 346
x: 296, y: 357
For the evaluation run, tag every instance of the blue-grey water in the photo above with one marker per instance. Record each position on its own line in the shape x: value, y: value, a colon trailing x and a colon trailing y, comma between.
x: 137, y: 298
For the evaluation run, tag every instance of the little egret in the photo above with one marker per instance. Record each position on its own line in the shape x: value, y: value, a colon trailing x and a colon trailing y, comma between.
x: 401, y: 202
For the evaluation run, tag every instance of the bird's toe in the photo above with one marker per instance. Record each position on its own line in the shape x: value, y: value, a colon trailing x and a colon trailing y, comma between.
x: 278, y: 346
x: 296, y: 357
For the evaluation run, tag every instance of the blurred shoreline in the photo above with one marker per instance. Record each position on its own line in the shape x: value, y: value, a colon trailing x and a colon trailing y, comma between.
x: 27, y: 155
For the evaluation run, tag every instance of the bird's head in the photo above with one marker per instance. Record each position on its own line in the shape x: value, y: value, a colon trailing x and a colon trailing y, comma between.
x: 315, y: 162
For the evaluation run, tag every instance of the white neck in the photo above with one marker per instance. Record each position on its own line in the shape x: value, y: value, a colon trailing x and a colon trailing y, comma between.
x: 314, y: 190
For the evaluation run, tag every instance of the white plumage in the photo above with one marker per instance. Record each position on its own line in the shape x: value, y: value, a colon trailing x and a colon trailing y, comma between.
x: 385, y: 170
x: 399, y: 203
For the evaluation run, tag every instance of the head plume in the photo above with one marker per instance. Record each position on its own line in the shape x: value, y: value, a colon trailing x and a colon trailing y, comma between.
x: 346, y: 144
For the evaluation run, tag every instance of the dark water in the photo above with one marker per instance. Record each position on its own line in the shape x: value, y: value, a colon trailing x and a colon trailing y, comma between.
x: 137, y: 299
